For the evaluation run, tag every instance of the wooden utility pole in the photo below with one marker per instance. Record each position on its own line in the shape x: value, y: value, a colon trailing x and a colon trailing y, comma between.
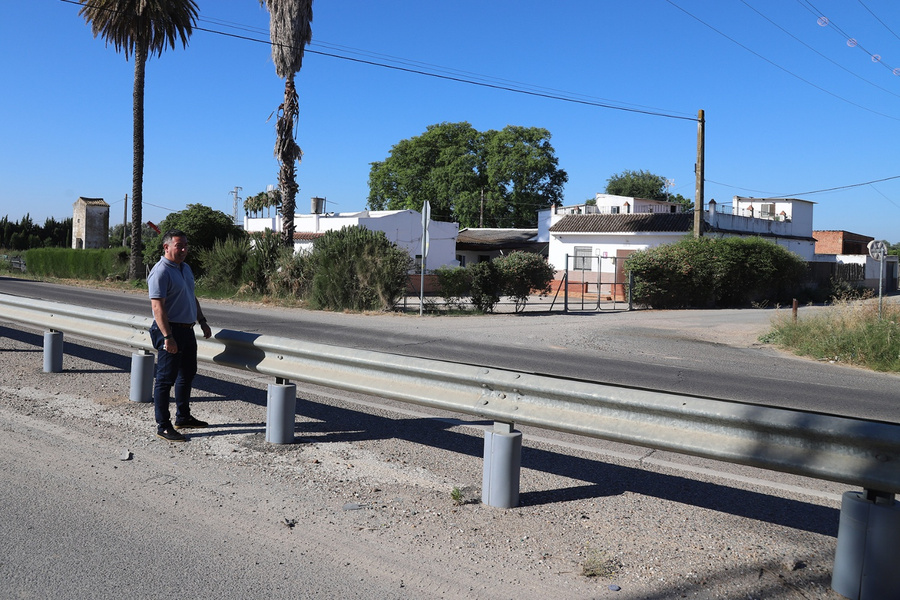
x: 125, y: 223
x: 700, y: 173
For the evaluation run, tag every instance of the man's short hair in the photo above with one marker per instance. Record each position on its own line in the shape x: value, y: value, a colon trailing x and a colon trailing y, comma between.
x: 173, y: 233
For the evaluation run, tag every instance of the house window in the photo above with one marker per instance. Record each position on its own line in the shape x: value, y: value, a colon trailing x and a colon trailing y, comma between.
x: 461, y: 259
x: 613, y: 210
x: 767, y: 211
x: 582, y: 258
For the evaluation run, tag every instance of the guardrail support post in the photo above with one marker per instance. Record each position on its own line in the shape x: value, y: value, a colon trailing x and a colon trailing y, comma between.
x: 53, y: 351
x: 281, y: 407
x: 868, y: 547
x: 502, y: 466
x: 141, y: 376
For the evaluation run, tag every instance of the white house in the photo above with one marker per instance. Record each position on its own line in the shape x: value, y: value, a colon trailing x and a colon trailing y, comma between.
x: 402, y: 227
x: 786, y: 221
x: 594, y: 240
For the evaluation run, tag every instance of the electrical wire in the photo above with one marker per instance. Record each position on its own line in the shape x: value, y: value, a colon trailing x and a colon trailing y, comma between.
x: 834, y: 62
x: 779, y: 67
x: 878, y: 19
x: 842, y: 187
x: 851, y: 41
x: 434, y: 71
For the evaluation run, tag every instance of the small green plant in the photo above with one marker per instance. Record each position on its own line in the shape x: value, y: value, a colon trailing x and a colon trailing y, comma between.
x: 455, y: 284
x: 457, y: 496
x: 522, y: 274
x: 598, y: 564
x: 486, y: 286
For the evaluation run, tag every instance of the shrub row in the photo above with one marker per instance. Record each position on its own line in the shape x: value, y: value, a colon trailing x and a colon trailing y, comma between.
x: 714, y: 272
x: 518, y: 275
x: 67, y: 263
x: 348, y: 269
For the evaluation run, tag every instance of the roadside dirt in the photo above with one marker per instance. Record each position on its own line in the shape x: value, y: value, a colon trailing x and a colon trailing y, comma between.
x: 367, y: 490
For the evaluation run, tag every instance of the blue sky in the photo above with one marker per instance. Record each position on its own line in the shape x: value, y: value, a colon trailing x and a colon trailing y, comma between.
x: 791, y: 107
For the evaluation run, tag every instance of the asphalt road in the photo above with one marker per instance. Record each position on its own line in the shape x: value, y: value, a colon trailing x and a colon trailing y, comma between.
x: 704, y: 353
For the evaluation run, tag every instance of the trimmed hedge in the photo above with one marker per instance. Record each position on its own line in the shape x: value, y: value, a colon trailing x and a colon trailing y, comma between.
x: 715, y: 272
x: 67, y: 263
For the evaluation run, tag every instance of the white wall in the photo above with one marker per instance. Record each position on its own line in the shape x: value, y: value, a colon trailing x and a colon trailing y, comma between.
x: 402, y: 227
x: 607, y: 244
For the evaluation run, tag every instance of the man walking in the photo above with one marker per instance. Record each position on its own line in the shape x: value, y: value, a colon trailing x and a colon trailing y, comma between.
x: 175, y: 311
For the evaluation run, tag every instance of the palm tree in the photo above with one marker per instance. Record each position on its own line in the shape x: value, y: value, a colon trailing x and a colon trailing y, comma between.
x: 141, y: 28
x: 290, y: 31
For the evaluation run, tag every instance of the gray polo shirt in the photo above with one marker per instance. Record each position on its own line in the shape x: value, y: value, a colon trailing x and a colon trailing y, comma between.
x: 175, y: 283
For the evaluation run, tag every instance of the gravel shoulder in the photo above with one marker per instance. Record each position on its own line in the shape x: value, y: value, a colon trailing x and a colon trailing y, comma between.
x: 360, y: 506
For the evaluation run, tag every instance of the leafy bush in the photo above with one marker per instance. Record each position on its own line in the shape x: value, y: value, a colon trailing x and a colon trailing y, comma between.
x: 293, y: 274
x: 67, y: 263
x: 487, y: 285
x: 357, y: 269
x: 523, y: 273
x: 225, y: 263
x: 263, y: 263
x: 203, y: 226
x: 707, y: 272
x: 455, y: 284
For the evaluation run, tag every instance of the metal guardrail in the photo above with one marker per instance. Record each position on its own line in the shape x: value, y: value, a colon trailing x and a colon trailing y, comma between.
x: 853, y: 451
x: 15, y: 262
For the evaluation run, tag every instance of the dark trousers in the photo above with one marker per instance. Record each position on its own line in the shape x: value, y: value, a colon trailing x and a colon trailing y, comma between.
x: 174, y: 370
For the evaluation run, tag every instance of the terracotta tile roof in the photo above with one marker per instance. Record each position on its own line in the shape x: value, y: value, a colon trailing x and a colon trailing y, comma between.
x: 631, y: 223
x: 307, y: 235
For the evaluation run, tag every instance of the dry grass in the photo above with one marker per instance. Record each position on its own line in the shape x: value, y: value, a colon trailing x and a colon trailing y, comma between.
x: 849, y: 332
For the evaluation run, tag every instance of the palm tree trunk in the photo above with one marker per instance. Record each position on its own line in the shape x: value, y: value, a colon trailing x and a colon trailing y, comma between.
x: 136, y: 263
x: 288, y: 154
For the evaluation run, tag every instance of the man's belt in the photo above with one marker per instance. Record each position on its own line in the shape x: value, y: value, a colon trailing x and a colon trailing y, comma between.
x: 183, y: 325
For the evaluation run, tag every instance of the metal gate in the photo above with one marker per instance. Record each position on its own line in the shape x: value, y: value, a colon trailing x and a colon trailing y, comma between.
x: 593, y: 283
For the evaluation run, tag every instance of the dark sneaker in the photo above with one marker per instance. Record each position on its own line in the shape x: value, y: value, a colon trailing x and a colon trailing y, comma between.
x: 191, y: 423
x: 170, y: 434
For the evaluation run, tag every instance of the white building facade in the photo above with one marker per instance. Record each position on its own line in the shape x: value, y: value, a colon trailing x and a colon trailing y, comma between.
x: 402, y: 227
x: 599, y: 237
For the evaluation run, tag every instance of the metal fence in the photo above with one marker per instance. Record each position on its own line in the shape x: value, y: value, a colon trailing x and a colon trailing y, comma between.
x: 853, y: 451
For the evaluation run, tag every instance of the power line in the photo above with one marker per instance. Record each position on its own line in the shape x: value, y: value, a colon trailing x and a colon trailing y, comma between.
x: 877, y: 19
x: 842, y: 187
x: 777, y: 66
x: 852, y: 42
x: 460, y: 79
x: 422, y: 69
x: 834, y: 62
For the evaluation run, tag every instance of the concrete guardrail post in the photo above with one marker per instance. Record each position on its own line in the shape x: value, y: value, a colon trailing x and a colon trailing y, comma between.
x: 53, y: 351
x: 868, y: 547
x: 502, y: 466
x: 281, y: 407
x: 142, y: 373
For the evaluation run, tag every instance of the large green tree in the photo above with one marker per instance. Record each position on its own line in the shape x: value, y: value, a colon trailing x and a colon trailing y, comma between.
x: 643, y: 184
x: 140, y: 28
x: 290, y: 31
x: 490, y: 179
x: 203, y: 225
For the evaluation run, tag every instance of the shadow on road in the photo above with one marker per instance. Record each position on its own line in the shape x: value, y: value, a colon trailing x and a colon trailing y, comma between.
x: 336, y: 424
